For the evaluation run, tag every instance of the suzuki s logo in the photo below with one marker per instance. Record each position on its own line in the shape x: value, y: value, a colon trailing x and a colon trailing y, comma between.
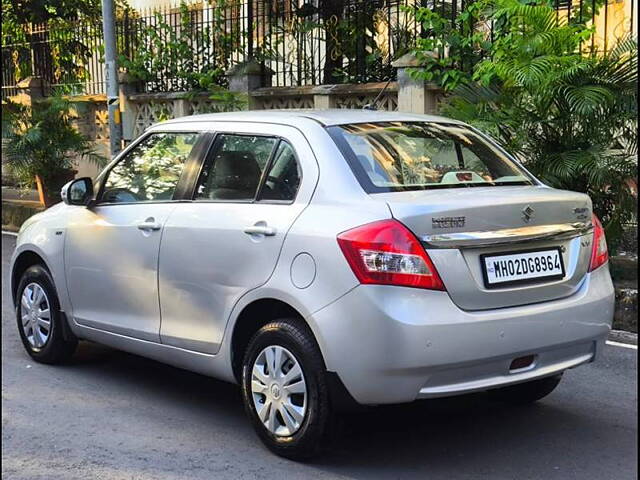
x: 582, y: 213
x: 527, y: 214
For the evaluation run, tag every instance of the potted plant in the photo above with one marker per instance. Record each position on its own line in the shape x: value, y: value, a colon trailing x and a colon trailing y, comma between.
x: 40, y: 145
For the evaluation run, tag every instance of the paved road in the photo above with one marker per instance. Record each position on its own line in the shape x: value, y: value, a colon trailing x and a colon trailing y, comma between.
x: 110, y: 415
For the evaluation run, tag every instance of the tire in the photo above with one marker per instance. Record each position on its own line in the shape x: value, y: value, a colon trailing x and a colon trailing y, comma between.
x: 292, y: 340
x: 525, y: 393
x: 53, y: 347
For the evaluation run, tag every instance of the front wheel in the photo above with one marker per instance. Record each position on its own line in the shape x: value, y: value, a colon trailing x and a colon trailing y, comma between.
x: 39, y: 318
x: 528, y: 392
x: 284, y: 389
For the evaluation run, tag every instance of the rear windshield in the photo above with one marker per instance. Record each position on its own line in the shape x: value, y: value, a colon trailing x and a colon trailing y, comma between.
x: 396, y: 156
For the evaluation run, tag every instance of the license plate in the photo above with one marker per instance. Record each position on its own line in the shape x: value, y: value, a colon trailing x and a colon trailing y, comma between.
x: 505, y: 269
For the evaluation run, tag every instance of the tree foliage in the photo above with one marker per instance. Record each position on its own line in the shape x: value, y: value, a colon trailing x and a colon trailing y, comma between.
x: 24, y: 12
x: 50, y: 27
x: 568, y: 112
x: 171, y: 50
x: 450, y: 48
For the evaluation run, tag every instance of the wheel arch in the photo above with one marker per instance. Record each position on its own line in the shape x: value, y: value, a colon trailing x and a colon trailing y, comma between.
x: 254, y: 316
x: 25, y: 259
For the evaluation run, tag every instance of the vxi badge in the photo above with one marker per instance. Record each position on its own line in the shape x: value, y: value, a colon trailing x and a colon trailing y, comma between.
x: 448, y: 222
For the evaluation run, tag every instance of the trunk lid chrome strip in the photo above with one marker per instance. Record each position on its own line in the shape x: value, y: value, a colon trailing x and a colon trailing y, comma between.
x: 507, y: 235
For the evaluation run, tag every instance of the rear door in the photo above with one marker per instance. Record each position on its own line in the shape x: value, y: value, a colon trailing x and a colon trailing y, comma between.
x: 255, y: 181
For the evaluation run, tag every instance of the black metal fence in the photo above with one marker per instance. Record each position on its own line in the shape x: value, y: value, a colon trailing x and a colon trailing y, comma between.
x: 67, y: 57
x: 298, y: 42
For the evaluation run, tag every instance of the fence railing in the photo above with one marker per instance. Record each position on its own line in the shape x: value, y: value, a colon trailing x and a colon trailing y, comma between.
x: 298, y: 43
x: 67, y: 56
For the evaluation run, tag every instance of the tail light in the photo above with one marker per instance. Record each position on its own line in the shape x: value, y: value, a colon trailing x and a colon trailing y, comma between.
x: 387, y: 253
x: 599, y: 252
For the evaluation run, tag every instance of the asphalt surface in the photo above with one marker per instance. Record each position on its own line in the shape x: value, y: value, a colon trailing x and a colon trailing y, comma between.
x: 111, y: 415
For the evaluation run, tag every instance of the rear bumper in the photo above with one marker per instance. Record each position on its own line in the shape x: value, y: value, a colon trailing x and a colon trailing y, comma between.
x: 395, y: 344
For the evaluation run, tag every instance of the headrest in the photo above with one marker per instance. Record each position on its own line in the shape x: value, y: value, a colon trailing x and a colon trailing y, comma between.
x: 236, y: 170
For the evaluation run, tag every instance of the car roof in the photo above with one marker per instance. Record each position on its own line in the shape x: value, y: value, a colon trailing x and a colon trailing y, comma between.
x: 327, y: 117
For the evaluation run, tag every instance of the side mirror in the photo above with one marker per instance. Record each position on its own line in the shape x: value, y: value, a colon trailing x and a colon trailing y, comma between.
x: 78, y: 191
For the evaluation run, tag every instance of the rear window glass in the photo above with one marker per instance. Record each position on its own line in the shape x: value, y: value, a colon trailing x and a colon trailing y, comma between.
x: 393, y: 156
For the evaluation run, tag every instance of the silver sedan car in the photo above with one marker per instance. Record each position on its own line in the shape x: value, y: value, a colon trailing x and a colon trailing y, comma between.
x: 322, y: 260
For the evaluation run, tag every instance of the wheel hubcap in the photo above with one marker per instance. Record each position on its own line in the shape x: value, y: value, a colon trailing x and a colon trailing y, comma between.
x: 279, y: 391
x: 35, y: 315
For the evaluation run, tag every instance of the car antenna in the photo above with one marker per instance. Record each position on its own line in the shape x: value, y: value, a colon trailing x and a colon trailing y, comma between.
x: 372, y: 105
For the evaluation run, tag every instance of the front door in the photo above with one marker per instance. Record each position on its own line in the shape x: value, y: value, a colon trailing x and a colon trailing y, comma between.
x: 227, y: 241
x: 111, y: 249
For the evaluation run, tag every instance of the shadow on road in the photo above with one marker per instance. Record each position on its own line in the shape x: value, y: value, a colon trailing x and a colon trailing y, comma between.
x: 435, y: 435
x: 192, y: 390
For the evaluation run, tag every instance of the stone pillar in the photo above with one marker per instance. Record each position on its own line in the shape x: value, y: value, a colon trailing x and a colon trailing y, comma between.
x: 322, y: 98
x: 180, y: 107
x: 247, y: 76
x: 415, y: 95
x: 83, y: 113
x: 31, y: 89
x: 127, y: 108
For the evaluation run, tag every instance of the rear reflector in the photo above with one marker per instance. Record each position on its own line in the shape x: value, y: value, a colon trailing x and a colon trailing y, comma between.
x: 387, y: 253
x: 522, y: 362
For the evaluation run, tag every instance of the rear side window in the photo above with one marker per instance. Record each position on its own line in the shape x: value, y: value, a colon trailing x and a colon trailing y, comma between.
x: 248, y: 168
x: 234, y: 167
x: 151, y: 171
x: 396, y: 156
x: 283, y: 179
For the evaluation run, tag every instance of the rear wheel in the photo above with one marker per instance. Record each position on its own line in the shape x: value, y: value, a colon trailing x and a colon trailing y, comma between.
x: 39, y: 318
x: 285, y: 391
x: 528, y: 392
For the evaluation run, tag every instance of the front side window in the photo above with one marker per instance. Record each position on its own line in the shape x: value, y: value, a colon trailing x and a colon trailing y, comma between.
x: 151, y: 171
x: 395, y: 156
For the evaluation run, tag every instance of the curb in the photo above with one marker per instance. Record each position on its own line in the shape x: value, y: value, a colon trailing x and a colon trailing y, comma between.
x: 622, y: 336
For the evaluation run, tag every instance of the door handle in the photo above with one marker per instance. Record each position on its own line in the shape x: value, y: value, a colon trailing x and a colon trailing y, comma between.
x: 149, y: 224
x: 260, y: 230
